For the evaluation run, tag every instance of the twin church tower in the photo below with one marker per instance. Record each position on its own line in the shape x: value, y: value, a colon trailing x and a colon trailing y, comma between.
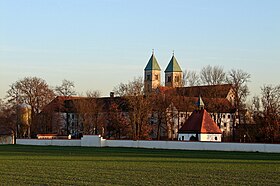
x: 152, y: 74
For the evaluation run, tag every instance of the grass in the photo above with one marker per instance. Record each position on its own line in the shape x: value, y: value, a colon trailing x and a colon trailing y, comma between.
x: 49, y: 165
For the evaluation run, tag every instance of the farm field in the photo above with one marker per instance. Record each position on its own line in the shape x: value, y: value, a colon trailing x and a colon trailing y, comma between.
x: 49, y: 165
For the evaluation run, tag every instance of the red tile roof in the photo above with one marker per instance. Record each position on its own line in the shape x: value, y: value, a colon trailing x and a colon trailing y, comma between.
x: 68, y: 104
x: 200, y: 122
x: 58, y: 104
x: 188, y: 104
x: 207, y: 91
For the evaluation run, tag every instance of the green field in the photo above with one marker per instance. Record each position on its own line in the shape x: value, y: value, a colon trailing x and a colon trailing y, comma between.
x: 48, y: 165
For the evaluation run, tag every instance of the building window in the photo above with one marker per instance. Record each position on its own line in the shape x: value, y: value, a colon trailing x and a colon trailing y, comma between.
x: 229, y: 116
x: 156, y: 77
x: 225, y: 125
x: 183, y: 138
x: 169, y: 79
x: 216, y: 138
x: 176, y: 78
x: 224, y: 116
x: 148, y: 77
x: 182, y: 115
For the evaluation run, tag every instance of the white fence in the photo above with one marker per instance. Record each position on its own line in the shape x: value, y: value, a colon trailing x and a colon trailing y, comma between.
x: 97, y: 141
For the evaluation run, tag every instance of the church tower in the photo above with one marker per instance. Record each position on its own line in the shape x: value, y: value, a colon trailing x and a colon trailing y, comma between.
x: 173, y: 74
x: 152, y: 75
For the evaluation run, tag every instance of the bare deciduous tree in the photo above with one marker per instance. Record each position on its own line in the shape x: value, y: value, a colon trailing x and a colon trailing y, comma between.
x: 132, y: 88
x: 89, y: 110
x: 160, y: 102
x: 8, y: 118
x: 93, y: 94
x: 139, y: 108
x: 190, y: 78
x: 270, y: 124
x: 212, y: 75
x: 239, y: 79
x: 117, y: 122
x: 32, y: 91
x: 66, y: 88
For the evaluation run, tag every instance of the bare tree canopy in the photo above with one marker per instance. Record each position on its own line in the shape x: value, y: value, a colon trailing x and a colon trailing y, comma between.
x: 93, y: 93
x: 33, y: 91
x: 191, y: 78
x: 212, y: 75
x: 239, y: 79
x: 132, y: 88
x: 266, y: 114
x: 66, y: 88
x: 271, y: 113
x: 8, y: 117
x: 139, y: 107
x: 271, y: 98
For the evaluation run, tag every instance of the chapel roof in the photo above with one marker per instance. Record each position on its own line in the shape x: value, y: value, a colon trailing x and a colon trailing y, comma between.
x: 201, y: 122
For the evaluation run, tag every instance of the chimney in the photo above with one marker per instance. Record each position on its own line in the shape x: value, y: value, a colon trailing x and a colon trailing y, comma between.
x: 112, y: 94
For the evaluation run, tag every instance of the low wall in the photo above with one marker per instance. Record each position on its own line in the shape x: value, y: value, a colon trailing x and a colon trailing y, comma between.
x: 182, y: 145
x: 6, y: 139
x: 97, y: 141
x: 92, y: 141
x: 46, y: 142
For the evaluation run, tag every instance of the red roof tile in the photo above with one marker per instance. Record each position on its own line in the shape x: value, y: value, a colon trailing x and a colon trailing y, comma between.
x: 207, y: 91
x: 200, y: 122
x: 188, y: 104
x: 58, y: 104
x: 69, y: 104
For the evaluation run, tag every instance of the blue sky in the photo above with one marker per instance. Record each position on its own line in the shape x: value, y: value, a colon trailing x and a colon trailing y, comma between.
x: 98, y: 44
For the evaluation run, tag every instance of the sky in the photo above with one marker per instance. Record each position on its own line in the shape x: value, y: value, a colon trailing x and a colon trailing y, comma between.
x: 98, y: 44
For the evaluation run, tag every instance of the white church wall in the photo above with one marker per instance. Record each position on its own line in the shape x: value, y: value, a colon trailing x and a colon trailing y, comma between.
x: 210, y: 137
x: 185, y: 137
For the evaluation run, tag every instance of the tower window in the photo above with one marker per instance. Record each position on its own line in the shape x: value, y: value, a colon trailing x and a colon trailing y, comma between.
x: 176, y: 78
x: 156, y: 77
x: 169, y: 79
x: 148, y: 77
